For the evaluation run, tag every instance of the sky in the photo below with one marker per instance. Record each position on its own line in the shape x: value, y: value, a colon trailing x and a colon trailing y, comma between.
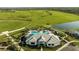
x: 39, y: 3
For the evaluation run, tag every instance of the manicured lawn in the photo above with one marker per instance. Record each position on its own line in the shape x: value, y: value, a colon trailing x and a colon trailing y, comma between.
x: 18, y: 19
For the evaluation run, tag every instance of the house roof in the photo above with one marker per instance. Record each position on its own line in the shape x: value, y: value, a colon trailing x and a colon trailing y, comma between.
x: 54, y: 39
x: 44, y: 37
x: 33, y: 37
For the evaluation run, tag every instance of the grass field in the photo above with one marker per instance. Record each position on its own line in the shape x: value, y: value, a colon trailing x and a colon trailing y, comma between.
x: 17, y: 19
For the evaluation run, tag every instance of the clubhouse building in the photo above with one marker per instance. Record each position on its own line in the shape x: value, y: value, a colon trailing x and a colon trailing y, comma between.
x: 41, y: 38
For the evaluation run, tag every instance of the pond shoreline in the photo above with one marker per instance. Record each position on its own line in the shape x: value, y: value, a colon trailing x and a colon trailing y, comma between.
x: 67, y: 26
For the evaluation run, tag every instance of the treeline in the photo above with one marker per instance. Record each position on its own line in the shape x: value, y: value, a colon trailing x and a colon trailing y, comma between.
x: 74, y: 10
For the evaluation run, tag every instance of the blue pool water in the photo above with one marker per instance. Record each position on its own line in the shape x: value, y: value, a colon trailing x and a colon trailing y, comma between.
x: 34, y: 32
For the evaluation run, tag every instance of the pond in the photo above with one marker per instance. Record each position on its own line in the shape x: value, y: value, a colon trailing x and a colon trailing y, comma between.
x: 69, y: 25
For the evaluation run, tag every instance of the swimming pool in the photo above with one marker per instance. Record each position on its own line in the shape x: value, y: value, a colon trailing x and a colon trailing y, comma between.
x: 35, y: 32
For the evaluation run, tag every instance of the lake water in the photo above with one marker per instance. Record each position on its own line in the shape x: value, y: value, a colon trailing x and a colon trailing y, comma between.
x: 69, y: 25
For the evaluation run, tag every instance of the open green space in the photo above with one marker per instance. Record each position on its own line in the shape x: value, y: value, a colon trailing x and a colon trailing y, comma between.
x: 21, y: 18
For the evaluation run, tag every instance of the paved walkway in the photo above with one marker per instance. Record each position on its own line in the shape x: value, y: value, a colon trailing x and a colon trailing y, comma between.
x: 65, y: 45
x: 41, y: 48
x: 17, y: 30
x: 63, y: 38
x: 3, y: 33
x: 12, y: 40
x: 15, y: 43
